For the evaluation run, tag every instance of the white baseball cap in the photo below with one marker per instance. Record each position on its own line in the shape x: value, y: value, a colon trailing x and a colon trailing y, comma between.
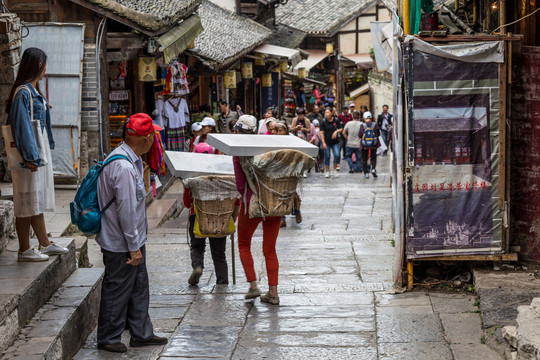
x: 367, y: 115
x: 208, y: 121
x: 246, y: 122
x: 196, y: 126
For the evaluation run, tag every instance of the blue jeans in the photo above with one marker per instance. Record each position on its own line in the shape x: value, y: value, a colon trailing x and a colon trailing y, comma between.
x: 336, y: 150
x: 357, y: 153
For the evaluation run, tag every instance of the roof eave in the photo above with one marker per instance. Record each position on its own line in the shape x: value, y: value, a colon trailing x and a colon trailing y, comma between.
x: 146, y: 30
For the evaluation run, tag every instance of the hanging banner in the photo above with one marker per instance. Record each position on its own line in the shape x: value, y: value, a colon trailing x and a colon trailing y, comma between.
x: 247, y: 70
x: 267, y: 80
x: 229, y: 78
x: 302, y: 73
x: 147, y: 68
x: 453, y: 154
x: 283, y: 66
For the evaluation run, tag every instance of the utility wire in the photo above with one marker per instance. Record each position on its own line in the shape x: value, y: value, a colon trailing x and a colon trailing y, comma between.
x: 513, y: 22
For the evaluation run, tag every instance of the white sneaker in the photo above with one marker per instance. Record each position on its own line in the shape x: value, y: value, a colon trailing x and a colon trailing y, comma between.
x: 305, y: 175
x: 326, y: 174
x: 53, y: 249
x: 32, y: 255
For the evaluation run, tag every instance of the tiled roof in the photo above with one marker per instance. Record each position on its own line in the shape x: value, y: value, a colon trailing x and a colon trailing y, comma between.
x: 226, y: 36
x: 151, y: 15
x: 286, y: 36
x: 321, y: 17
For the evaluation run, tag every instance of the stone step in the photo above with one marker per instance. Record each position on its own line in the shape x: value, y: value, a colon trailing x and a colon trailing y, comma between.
x: 60, y: 327
x: 524, y: 339
x: 6, y: 222
x: 25, y: 287
x: 160, y: 210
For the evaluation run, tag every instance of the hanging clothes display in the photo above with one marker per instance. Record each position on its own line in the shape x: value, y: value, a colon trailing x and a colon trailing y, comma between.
x: 174, y: 78
x: 176, y: 115
x: 155, y: 156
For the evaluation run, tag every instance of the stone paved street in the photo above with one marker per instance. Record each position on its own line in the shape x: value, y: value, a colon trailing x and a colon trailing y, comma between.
x: 335, y: 291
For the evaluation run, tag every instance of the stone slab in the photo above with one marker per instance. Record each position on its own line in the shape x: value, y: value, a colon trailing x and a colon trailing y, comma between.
x: 463, y: 328
x: 407, y: 328
x: 304, y: 353
x: 415, y: 350
x: 251, y: 145
x: 453, y: 303
x: 293, y: 325
x: 474, y: 352
x: 222, y: 339
x: 187, y: 165
x: 326, y: 339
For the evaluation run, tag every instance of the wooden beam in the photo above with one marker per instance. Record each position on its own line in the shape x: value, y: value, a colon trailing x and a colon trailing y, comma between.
x: 502, y: 132
x: 124, y: 40
x: 493, y: 257
x: 467, y: 38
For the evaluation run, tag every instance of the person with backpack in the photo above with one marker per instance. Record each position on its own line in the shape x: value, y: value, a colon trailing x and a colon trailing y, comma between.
x: 369, y: 133
x: 350, y: 133
x: 198, y: 244
x: 247, y: 124
x: 125, y: 294
x: 33, y: 184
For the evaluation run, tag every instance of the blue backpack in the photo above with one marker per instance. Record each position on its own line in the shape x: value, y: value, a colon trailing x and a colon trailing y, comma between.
x: 84, y: 209
x: 369, y: 140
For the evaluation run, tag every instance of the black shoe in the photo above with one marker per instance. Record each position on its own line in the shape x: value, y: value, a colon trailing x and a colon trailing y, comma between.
x: 351, y: 171
x: 283, y: 224
x: 115, y: 348
x: 154, y: 340
x: 374, y: 173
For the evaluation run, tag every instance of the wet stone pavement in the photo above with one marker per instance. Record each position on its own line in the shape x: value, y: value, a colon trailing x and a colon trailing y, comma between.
x: 336, y: 292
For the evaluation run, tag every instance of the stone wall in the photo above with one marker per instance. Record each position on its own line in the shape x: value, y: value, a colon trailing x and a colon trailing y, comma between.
x: 382, y: 93
x: 10, y: 53
x: 89, y: 111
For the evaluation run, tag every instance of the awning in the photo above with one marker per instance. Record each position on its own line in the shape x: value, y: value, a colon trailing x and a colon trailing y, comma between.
x: 315, y: 57
x: 175, y: 41
x: 362, y: 61
x: 280, y: 52
x: 302, y: 80
x: 359, y: 91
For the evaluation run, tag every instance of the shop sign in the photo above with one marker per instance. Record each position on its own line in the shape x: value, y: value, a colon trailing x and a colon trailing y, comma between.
x: 147, y: 68
x: 119, y: 95
x: 247, y: 70
x: 229, y: 79
x: 267, y: 80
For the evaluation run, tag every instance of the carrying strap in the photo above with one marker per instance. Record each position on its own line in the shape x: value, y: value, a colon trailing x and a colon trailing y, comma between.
x: 107, y: 162
x: 24, y: 87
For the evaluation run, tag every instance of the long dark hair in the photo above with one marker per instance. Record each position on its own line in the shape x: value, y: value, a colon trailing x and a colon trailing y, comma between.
x: 32, y: 64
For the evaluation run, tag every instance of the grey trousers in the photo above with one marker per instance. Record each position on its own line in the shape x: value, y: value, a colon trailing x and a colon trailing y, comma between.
x: 125, y: 298
x: 217, y: 248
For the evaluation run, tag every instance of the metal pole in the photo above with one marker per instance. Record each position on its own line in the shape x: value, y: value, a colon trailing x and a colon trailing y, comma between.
x: 233, y: 260
x: 406, y: 17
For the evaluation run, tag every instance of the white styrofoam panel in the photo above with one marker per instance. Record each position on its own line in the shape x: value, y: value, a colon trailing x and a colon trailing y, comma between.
x: 186, y: 164
x: 251, y: 145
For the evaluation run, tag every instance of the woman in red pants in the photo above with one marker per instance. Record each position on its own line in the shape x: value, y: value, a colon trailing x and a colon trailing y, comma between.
x: 247, y: 124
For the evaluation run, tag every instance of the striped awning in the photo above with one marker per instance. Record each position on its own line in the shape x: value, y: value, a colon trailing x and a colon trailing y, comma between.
x: 181, y: 37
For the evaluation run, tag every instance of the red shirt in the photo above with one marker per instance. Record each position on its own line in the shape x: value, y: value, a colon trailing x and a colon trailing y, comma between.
x: 345, y: 118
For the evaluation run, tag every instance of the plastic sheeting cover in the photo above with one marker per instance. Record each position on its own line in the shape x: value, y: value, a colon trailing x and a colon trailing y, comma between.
x: 479, y: 52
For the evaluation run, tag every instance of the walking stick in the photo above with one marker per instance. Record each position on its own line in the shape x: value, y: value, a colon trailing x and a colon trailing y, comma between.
x: 233, y: 260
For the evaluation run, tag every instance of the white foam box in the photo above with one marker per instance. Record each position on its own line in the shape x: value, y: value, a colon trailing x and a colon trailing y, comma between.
x: 187, y: 164
x: 251, y: 145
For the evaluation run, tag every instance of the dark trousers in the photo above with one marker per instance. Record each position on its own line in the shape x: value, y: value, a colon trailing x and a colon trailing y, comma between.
x: 365, y: 156
x: 217, y: 248
x: 125, y: 297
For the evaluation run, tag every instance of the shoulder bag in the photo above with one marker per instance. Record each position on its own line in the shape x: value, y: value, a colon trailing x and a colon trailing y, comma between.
x: 13, y: 155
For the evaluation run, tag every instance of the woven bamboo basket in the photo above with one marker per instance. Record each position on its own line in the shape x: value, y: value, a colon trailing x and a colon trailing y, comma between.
x: 214, y: 215
x: 276, y: 195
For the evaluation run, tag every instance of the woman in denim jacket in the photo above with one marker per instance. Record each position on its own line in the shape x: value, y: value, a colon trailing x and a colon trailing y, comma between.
x: 33, y: 184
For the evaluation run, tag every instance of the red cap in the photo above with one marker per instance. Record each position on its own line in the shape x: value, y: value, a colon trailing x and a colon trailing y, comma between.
x: 140, y: 125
